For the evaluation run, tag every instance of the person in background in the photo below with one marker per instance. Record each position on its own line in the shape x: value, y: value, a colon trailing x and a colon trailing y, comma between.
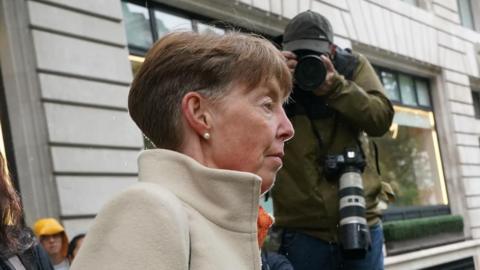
x: 54, y: 240
x: 18, y: 249
x: 212, y: 105
x: 74, y: 246
x: 338, y: 103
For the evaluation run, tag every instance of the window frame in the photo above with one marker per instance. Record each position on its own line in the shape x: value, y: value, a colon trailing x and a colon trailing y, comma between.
x: 409, y: 212
x: 396, y: 74
x: 476, y: 102
x: 195, y: 19
x: 471, y: 6
x: 136, y: 50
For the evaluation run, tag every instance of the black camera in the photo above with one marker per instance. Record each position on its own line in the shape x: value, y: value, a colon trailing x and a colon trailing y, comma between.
x: 311, y: 72
x: 354, y: 234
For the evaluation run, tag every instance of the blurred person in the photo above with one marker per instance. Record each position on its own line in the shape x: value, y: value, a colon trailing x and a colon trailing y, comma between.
x: 326, y: 202
x: 270, y: 260
x: 18, y: 249
x: 54, y: 240
x: 212, y: 104
x: 74, y: 246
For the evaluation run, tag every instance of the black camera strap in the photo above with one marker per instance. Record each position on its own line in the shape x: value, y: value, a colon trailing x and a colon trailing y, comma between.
x: 377, y: 162
x: 315, y: 131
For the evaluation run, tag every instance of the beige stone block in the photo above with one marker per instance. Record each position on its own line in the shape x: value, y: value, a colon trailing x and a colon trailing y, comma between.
x: 83, y: 195
x: 78, y: 24
x: 94, y: 160
x: 107, y: 8
x: 91, y: 126
x: 57, y: 53
x: 68, y: 89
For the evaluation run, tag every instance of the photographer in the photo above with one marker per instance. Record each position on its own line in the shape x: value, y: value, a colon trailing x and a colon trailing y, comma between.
x: 337, y: 98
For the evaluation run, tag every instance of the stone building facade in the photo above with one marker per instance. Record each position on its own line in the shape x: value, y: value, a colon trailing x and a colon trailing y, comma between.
x: 66, y: 67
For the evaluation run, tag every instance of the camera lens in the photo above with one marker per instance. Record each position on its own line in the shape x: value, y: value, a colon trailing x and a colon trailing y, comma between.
x: 310, y: 72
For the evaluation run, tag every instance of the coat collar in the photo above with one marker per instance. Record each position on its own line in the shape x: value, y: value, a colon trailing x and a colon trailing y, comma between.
x: 228, y: 198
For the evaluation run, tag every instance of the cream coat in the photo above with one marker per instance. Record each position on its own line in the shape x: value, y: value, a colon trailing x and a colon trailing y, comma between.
x: 180, y: 213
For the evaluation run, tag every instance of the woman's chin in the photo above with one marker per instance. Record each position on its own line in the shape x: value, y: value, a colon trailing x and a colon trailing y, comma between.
x: 266, y: 185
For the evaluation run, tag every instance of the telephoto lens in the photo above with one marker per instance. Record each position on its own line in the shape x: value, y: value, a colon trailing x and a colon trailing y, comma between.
x: 310, y: 72
x: 354, y: 234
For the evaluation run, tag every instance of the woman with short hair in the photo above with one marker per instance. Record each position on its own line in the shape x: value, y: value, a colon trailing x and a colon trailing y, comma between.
x: 212, y: 105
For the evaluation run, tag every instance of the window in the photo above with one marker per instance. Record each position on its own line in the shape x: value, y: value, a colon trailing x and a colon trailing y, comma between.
x: 404, y: 89
x: 466, y: 14
x: 411, y: 2
x: 476, y: 103
x: 167, y: 22
x: 409, y: 153
x: 464, y: 264
x: 410, y: 159
x: 203, y: 28
x: 390, y: 83
x: 148, y: 22
x: 137, y: 22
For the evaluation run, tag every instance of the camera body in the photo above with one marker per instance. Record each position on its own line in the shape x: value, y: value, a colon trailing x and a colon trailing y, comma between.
x: 354, y: 233
x: 311, y: 72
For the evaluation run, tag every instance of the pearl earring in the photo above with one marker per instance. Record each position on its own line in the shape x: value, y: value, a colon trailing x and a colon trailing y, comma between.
x: 206, y: 135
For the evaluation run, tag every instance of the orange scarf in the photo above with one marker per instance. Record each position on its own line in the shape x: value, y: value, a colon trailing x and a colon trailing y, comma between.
x: 264, y: 222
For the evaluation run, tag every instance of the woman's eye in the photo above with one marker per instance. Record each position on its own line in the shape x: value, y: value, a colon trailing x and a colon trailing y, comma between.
x: 268, y: 106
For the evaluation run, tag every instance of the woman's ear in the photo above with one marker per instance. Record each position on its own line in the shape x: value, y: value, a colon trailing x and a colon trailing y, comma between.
x: 195, y: 111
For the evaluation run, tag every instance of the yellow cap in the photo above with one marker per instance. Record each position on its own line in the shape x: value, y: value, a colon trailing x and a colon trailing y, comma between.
x: 50, y: 226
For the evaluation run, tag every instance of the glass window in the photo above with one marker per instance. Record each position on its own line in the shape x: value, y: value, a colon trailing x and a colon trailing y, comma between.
x: 411, y: 2
x: 422, y: 93
x: 390, y: 84
x: 466, y: 14
x: 167, y: 22
x: 204, y: 28
x: 476, y: 103
x: 410, y: 159
x: 137, y: 22
x: 407, y: 90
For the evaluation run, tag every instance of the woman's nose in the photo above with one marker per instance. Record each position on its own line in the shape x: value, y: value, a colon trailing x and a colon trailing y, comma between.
x: 286, y: 130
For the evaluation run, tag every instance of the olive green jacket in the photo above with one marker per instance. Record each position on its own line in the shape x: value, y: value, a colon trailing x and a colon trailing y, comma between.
x: 303, y: 198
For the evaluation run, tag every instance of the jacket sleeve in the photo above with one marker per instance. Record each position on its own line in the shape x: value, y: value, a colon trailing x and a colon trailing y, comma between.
x: 362, y: 101
x: 41, y: 257
x: 145, y: 227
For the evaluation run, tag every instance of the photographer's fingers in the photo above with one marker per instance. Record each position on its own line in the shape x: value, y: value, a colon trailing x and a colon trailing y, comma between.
x: 331, y: 71
x: 328, y: 64
x: 291, y: 60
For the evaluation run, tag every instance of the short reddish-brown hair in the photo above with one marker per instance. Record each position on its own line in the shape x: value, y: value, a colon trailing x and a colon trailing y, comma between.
x: 182, y: 62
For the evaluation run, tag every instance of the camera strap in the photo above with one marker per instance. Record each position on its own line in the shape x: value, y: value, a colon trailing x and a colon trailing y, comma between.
x: 377, y: 163
x: 315, y: 131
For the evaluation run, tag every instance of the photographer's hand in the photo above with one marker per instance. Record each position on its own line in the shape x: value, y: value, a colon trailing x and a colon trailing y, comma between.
x: 291, y: 59
x: 326, y: 86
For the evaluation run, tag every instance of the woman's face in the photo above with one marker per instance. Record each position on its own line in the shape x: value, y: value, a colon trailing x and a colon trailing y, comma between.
x: 249, y: 130
x: 52, y: 243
